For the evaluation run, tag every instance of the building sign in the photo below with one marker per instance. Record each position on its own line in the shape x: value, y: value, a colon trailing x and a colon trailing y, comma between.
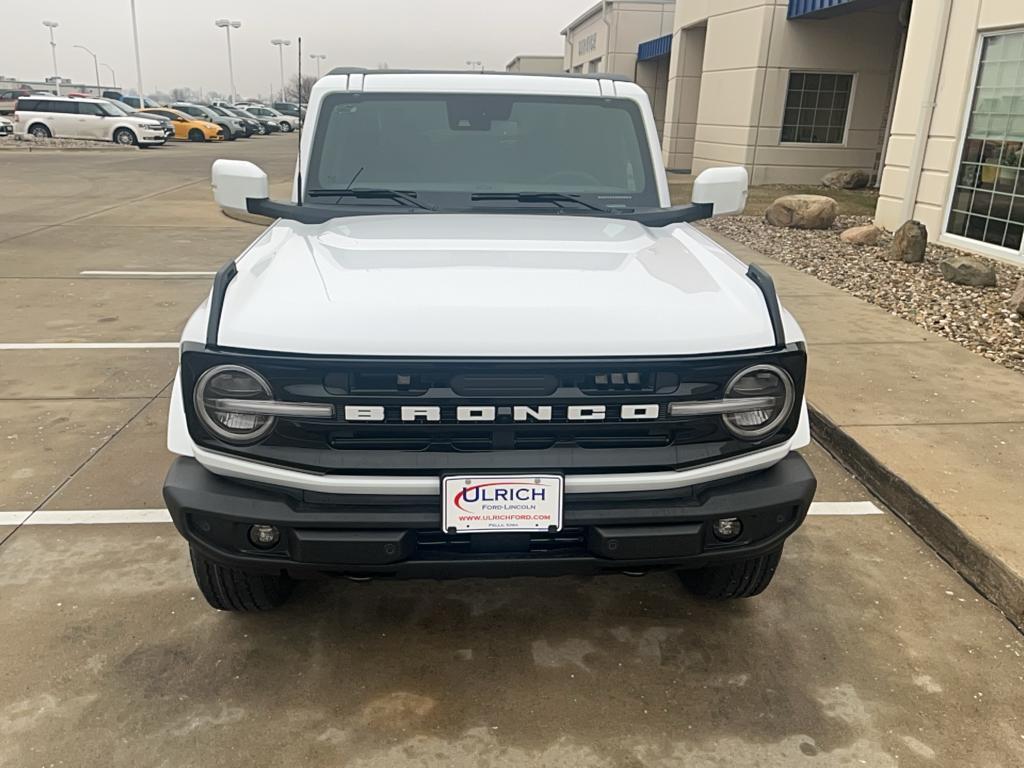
x: 587, y: 44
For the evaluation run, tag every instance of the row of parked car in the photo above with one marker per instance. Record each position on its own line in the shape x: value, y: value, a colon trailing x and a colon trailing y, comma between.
x: 144, y: 123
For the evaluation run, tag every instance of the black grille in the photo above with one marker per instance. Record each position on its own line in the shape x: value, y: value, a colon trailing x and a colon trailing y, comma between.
x: 393, y: 445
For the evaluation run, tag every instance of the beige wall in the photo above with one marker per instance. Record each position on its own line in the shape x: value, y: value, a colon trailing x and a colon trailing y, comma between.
x: 970, y: 18
x: 544, y: 65
x: 624, y: 25
x: 730, y: 68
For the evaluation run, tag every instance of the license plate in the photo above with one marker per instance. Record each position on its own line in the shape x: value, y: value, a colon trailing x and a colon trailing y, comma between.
x: 476, y: 504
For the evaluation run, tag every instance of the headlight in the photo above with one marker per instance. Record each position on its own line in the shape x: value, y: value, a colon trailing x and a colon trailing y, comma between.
x: 220, y: 397
x: 236, y: 404
x: 757, y: 401
x: 764, y: 396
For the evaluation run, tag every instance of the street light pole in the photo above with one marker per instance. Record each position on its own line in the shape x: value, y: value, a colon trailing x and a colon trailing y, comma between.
x: 228, y: 25
x: 318, y: 57
x: 113, y: 77
x: 138, y: 58
x: 280, y: 49
x: 95, y: 65
x: 52, y: 25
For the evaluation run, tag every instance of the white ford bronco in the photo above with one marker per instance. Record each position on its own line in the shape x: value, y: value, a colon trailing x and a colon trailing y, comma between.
x: 479, y: 341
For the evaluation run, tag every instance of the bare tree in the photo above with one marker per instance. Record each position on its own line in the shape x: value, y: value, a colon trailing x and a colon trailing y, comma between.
x: 181, y: 94
x: 292, y: 91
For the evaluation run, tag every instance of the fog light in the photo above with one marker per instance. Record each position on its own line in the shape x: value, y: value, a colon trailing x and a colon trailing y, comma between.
x: 728, y: 528
x: 264, y: 536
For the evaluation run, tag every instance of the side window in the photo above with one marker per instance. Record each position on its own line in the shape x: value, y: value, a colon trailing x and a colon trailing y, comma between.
x: 85, y: 108
x: 63, y: 107
x: 28, y: 105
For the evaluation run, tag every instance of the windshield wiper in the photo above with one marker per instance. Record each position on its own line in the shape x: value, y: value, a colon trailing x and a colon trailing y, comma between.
x: 369, y: 193
x: 536, y: 197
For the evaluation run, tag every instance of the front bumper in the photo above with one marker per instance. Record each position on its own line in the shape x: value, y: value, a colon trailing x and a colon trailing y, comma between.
x: 400, y: 536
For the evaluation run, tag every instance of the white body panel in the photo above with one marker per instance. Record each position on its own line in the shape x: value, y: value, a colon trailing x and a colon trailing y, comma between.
x: 497, y: 285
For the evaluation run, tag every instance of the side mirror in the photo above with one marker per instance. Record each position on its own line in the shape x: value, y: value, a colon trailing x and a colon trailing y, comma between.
x: 235, y: 181
x: 725, y: 189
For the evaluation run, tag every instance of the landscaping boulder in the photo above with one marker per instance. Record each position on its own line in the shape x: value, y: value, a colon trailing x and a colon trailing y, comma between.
x: 846, y: 179
x: 968, y: 270
x: 909, y: 243
x: 1017, y: 299
x: 865, y: 235
x: 802, y: 212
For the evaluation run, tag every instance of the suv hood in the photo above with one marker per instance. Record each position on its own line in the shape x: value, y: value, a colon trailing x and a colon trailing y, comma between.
x: 489, y: 285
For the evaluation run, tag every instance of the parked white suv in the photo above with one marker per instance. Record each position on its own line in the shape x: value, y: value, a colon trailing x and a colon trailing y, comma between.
x: 77, y: 118
x: 480, y: 340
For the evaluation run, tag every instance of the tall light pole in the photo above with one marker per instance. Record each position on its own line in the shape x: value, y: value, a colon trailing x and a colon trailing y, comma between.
x: 138, y: 58
x: 319, y: 57
x: 280, y: 50
x: 95, y: 65
x: 53, y: 51
x: 228, y: 25
x: 113, y: 77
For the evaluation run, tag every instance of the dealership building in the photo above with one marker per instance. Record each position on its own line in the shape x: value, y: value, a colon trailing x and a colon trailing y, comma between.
x: 926, y: 96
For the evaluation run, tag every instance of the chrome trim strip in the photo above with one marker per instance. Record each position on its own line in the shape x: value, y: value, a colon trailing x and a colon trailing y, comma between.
x: 719, y: 407
x: 430, y: 485
x: 274, y: 408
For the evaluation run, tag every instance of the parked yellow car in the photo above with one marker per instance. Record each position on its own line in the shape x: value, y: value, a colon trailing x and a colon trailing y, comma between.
x: 186, y: 127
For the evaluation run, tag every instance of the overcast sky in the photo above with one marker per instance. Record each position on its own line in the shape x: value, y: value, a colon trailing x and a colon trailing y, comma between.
x: 181, y: 47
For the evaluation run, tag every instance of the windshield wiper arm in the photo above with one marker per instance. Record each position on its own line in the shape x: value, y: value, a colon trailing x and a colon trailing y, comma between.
x: 369, y: 193
x: 536, y: 197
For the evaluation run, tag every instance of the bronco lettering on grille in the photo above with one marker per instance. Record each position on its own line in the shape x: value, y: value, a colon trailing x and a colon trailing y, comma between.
x: 516, y: 413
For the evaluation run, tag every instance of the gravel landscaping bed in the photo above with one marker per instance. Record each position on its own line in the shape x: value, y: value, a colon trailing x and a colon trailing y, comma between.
x: 17, y: 142
x: 977, y: 318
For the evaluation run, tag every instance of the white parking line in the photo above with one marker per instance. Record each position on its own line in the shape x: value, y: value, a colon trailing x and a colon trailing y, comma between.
x: 142, y: 273
x: 115, y: 516
x: 92, y: 345
x: 80, y: 516
x: 844, y: 508
x: 13, y: 518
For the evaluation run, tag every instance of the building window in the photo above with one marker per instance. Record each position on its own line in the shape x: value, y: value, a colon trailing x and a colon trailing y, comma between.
x: 988, y: 200
x: 594, y: 66
x: 816, y: 107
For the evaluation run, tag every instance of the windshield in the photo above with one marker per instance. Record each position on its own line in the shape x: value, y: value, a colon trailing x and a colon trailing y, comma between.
x: 218, y: 111
x: 446, y: 148
x: 204, y: 111
x: 121, y: 109
x: 107, y: 109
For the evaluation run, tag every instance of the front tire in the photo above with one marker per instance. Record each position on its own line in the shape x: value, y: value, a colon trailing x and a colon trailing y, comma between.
x: 742, y: 578
x: 125, y: 137
x: 286, y: 127
x: 234, y: 589
x: 196, y: 135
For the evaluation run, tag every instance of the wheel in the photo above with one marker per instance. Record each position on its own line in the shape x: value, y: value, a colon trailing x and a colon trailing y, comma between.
x: 742, y: 578
x: 196, y: 135
x: 40, y: 131
x: 125, y: 137
x: 232, y: 589
x: 286, y: 127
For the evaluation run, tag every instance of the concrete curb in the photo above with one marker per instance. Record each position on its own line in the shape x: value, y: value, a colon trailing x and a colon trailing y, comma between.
x: 984, y: 570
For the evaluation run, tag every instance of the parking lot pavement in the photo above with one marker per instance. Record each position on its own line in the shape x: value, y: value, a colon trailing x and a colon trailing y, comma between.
x: 867, y: 649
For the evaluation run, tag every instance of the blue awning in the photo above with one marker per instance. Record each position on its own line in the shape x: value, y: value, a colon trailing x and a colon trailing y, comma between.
x: 652, y: 49
x: 798, y: 8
